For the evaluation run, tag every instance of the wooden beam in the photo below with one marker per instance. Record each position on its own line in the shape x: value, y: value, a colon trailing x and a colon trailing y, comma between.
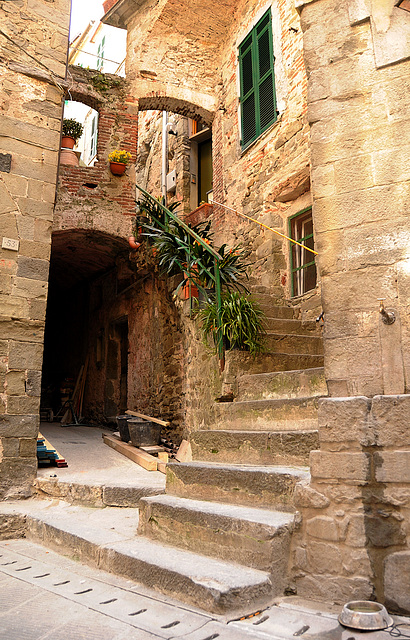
x: 150, y: 418
x: 136, y: 455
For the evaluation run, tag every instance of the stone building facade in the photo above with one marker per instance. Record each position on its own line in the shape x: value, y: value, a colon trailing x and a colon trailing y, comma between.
x: 33, y: 51
x: 338, y: 118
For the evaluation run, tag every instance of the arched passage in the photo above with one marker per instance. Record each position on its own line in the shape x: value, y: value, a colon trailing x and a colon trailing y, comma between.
x: 87, y: 271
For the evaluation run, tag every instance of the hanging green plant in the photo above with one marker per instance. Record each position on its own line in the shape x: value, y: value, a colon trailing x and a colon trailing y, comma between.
x: 242, y: 322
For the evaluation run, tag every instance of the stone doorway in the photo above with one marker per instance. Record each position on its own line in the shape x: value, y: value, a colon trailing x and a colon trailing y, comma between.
x: 85, y: 321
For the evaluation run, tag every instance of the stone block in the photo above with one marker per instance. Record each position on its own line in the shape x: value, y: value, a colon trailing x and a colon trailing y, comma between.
x: 33, y: 383
x: 32, y: 268
x: 393, y: 466
x: 42, y: 231
x: 344, y: 466
x: 353, y: 174
x: 397, y: 581
x: 322, y: 527
x: 28, y: 288
x: 10, y: 447
x: 5, y: 162
x: 345, y: 420
x: 5, y: 284
x: 392, y: 165
x: 16, y: 477
x: 14, y: 307
x: 23, y: 405
x: 15, y: 383
x: 306, y: 497
x: 338, y: 589
x: 25, y: 226
x: 36, y: 208
x: 356, y: 531
x: 33, y: 134
x: 357, y: 562
x: 25, y: 330
x: 25, y: 355
x: 38, y: 250
x: 12, y: 526
x: 390, y: 417
x: 7, y: 203
x: 28, y: 447
x: 324, y: 557
x: 9, y: 229
x: 384, y: 529
x: 38, y: 309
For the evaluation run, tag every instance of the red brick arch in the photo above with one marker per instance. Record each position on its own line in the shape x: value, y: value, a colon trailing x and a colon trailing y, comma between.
x: 176, y: 105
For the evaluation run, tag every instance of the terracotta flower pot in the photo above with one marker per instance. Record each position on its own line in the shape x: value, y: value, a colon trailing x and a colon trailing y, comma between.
x: 117, y: 168
x: 67, y: 142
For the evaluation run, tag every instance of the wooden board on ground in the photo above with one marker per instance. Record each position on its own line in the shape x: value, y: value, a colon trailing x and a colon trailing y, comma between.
x: 162, y: 466
x: 142, y: 458
x: 152, y: 448
x: 57, y: 457
x: 150, y: 418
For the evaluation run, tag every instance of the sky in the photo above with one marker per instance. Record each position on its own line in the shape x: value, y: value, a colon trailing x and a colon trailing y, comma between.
x: 82, y: 12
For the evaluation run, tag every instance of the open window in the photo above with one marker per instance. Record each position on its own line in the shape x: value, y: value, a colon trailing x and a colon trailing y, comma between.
x: 86, y: 146
x: 302, y: 261
x: 257, y: 81
x: 200, y: 137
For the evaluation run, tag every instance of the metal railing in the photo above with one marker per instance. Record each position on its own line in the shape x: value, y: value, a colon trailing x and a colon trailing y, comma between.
x: 214, y: 276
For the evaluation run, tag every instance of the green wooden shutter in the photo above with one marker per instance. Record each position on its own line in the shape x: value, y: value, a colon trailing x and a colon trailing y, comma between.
x: 257, y: 82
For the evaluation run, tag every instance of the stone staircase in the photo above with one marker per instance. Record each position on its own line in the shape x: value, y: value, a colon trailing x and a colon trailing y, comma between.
x: 220, y: 536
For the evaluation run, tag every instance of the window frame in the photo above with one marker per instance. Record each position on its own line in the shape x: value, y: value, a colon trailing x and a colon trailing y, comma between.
x: 252, y: 40
x: 294, y: 269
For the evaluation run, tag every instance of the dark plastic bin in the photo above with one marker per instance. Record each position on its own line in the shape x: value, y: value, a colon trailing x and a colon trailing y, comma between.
x: 144, y: 433
x: 122, y: 423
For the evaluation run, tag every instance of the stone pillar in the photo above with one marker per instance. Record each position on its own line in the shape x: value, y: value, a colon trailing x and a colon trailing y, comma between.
x: 356, y: 510
x: 31, y: 90
x: 358, y: 105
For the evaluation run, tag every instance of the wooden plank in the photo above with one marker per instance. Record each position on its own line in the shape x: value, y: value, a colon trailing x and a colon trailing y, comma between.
x: 150, y: 418
x: 152, y: 448
x: 162, y: 456
x: 136, y: 455
x: 162, y: 466
x: 184, y: 453
x: 50, y: 447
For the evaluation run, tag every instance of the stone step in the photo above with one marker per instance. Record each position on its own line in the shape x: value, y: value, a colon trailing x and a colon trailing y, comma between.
x: 96, y: 494
x: 254, y: 447
x: 290, y: 326
x: 267, y: 415
x: 293, y: 344
x: 256, y: 538
x: 272, y: 310
x: 302, y: 383
x: 105, y: 538
x: 262, y: 487
x: 241, y: 363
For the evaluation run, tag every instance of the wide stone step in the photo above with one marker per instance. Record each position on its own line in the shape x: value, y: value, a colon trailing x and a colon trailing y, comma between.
x: 279, y: 384
x: 286, y: 326
x: 104, y: 538
x: 292, y: 343
x: 256, y: 538
x: 267, y: 415
x: 254, y: 447
x: 262, y: 487
x: 273, y: 310
x: 242, y: 363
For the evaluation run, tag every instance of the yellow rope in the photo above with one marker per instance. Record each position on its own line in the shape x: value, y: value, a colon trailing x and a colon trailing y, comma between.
x: 265, y: 226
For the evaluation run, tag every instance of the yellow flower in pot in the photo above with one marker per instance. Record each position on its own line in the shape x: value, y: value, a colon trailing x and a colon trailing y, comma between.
x: 118, y: 160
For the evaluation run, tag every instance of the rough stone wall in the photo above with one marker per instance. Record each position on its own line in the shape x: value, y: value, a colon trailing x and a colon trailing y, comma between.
x: 354, y: 542
x: 32, y: 72
x: 270, y: 180
x: 359, y: 76
x: 355, y: 531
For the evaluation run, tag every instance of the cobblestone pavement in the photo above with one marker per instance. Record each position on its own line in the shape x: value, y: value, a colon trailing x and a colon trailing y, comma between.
x: 45, y: 596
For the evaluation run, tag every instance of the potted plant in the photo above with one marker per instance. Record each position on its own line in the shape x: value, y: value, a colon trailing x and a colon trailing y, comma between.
x: 72, y: 132
x: 118, y: 160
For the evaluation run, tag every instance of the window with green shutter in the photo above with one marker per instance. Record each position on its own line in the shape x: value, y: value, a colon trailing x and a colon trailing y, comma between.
x: 256, y: 64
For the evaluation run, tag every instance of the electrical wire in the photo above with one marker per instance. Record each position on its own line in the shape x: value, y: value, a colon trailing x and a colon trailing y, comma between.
x: 394, y: 631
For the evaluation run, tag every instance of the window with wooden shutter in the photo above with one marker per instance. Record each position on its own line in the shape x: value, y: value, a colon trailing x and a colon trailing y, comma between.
x: 257, y: 81
x: 302, y: 262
